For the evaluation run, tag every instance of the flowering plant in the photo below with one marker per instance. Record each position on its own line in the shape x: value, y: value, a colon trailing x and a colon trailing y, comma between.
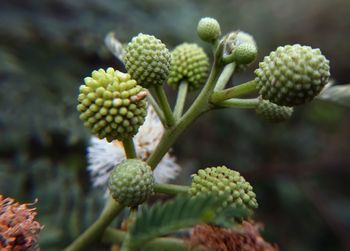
x: 130, y: 150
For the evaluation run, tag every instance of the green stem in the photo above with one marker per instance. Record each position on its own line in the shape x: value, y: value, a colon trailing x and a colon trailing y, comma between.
x: 95, y: 231
x: 161, y: 244
x: 164, y: 104
x: 239, y: 103
x: 181, y: 99
x: 156, y: 107
x: 229, y: 58
x: 225, y: 76
x: 170, y: 189
x: 129, y: 148
x: 199, y: 106
x: 233, y: 92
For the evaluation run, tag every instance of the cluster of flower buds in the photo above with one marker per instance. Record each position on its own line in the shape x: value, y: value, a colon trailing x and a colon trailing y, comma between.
x: 113, y: 106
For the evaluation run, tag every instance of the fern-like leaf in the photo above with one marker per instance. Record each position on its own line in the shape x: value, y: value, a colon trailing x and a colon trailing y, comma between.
x: 165, y: 218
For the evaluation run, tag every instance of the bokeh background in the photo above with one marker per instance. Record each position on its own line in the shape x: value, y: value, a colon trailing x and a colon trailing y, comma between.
x: 300, y: 169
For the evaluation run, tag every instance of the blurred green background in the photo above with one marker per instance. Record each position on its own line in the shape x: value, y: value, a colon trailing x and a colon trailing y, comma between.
x: 300, y: 169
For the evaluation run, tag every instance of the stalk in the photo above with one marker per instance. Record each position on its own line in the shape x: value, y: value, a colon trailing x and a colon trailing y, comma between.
x: 171, y: 189
x: 181, y: 99
x: 164, y: 104
x: 234, y: 92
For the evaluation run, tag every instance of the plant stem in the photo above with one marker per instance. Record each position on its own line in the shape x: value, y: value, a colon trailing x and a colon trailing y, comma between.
x: 225, y: 76
x: 95, y: 231
x: 233, y: 92
x: 229, y: 58
x: 239, y: 103
x: 161, y: 244
x: 129, y: 148
x: 170, y: 189
x: 199, y: 106
x: 181, y: 99
x: 164, y: 104
x: 156, y: 107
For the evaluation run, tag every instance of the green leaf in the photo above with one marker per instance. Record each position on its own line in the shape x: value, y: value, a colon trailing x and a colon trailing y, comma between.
x: 164, y: 218
x: 339, y: 94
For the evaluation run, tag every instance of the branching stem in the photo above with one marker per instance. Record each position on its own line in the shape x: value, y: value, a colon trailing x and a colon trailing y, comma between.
x: 239, y: 103
x: 164, y: 105
x: 234, y: 92
x: 129, y: 148
x: 171, y: 189
x: 181, y: 99
x: 170, y: 244
x: 157, y: 109
x: 225, y: 76
x: 95, y: 231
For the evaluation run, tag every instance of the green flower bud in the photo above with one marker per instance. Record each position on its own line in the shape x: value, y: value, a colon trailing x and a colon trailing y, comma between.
x: 147, y: 60
x: 189, y: 63
x: 272, y: 112
x: 226, y: 183
x: 131, y: 182
x: 292, y: 75
x: 245, y: 53
x: 208, y: 29
x: 112, y: 105
x: 244, y: 48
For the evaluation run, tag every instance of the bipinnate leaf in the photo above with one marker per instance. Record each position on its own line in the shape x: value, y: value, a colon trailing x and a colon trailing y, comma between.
x: 164, y: 218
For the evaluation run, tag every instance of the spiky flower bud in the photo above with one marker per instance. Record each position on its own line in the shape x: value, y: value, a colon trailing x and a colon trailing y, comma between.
x: 147, y: 60
x: 189, y: 63
x: 131, y: 182
x: 208, y: 29
x: 18, y: 228
x: 226, y: 183
x: 272, y: 112
x: 112, y: 105
x: 292, y: 75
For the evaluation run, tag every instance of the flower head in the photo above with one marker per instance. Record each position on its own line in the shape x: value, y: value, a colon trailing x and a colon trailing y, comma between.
x: 18, y: 229
x: 103, y: 156
x: 246, y: 238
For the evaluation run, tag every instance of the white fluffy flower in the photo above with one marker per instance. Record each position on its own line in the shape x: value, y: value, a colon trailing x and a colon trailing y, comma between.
x: 103, y: 156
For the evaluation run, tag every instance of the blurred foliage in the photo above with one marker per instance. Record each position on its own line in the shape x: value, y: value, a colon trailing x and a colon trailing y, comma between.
x: 299, y: 169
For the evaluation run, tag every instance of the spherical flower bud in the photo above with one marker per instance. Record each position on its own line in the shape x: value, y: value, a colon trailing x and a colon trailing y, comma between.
x: 243, y: 46
x: 112, y: 105
x: 208, y: 29
x: 131, y: 182
x: 147, y: 60
x: 189, y: 63
x: 272, y: 112
x: 220, y: 181
x: 245, y: 53
x: 292, y: 75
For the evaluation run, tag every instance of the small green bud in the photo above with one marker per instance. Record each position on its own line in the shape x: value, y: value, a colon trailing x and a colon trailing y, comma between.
x: 243, y: 46
x: 292, y: 75
x: 272, y: 112
x: 147, y: 60
x: 208, y: 29
x: 245, y: 53
x: 102, y: 108
x: 189, y: 63
x: 226, y: 183
x: 131, y: 182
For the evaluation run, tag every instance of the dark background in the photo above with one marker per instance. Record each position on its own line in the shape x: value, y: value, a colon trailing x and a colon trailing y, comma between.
x: 300, y: 169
